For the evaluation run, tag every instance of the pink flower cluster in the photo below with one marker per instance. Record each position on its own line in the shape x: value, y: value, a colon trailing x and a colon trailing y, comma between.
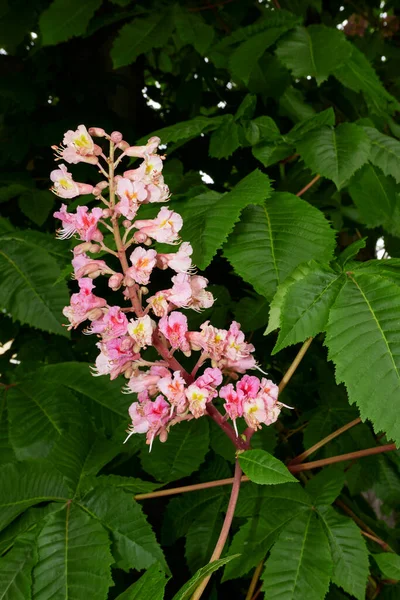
x: 166, y: 393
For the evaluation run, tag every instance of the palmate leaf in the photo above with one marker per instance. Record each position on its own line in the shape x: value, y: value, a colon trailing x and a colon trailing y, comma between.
x: 134, y: 543
x: 38, y: 414
x: 27, y: 289
x: 300, y: 564
x: 385, y: 152
x: 16, y: 570
x: 186, y: 130
x: 184, y: 453
x: 252, y: 498
x: 74, y: 558
x: 263, y: 468
x: 252, y: 312
x: 316, y: 50
x: 210, y: 217
x: 326, y: 486
x: 349, y: 552
x: 335, y: 153
x: 273, y: 239
x: 224, y: 140
x: 304, y: 308
x: 65, y: 19
x: 192, y: 29
x: 25, y: 484
x: 141, y: 35
x: 150, y: 586
x: 364, y: 324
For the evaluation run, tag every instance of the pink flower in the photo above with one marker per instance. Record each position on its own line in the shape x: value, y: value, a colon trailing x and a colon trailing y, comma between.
x: 118, y: 356
x: 210, y: 379
x: 64, y: 186
x: 236, y: 346
x: 84, y: 304
x: 112, y: 324
x: 248, y: 386
x: 178, y: 261
x: 140, y: 423
x: 68, y: 223
x: 86, y: 223
x: 198, y: 398
x: 210, y: 339
x: 141, y: 151
x: 200, y: 297
x: 130, y: 195
x: 157, y: 192
x: 143, y: 262
x: 148, y: 172
x: 159, y: 304
x: 254, y: 412
x: 79, y: 147
x: 141, y: 331
x: 188, y: 292
x: 233, y: 404
x: 147, y: 380
x: 164, y: 228
x: 86, y: 266
x: 174, y: 390
x: 175, y: 327
x: 181, y: 292
x: 269, y: 388
x: 157, y: 411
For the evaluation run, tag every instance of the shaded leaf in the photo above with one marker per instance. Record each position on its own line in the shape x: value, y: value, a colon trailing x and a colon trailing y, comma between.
x: 389, y: 564
x: 150, y: 586
x: 187, y: 590
x: 326, y: 486
x: 385, y: 152
x: 65, y: 19
x: 16, y: 570
x: 263, y: 468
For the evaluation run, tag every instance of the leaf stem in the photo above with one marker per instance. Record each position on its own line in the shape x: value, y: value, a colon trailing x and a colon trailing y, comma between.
x: 254, y: 580
x: 301, y: 457
x: 289, y: 373
x: 341, y: 458
x: 309, y: 184
x: 367, y: 531
x: 225, y: 528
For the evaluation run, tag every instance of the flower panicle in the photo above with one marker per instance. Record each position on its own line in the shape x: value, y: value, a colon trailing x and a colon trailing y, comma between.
x: 166, y: 393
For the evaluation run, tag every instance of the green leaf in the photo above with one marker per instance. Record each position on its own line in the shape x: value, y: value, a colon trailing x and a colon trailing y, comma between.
x: 192, y: 29
x: 316, y: 121
x: 246, y: 55
x: 210, y: 218
x: 25, y: 484
x: 351, y: 251
x: 294, y: 568
x: 30, y: 522
x: 252, y: 498
x: 389, y: 564
x: 304, y: 308
x: 27, y: 289
x: 326, y: 486
x: 286, y: 231
x: 16, y: 570
x: 134, y: 543
x: 385, y: 152
x: 364, y: 324
x: 140, y: 36
x: 224, y: 140
x: 188, y: 589
x: 186, y: 130
x: 376, y: 197
x: 292, y: 104
x: 38, y: 415
x: 247, y: 107
x: 182, y: 455
x: 270, y: 153
x: 349, y: 553
x: 258, y: 534
x: 263, y: 468
x: 74, y: 558
x: 36, y: 205
x: 65, y: 19
x: 128, y: 484
x: 252, y: 313
x: 150, y: 586
x: 268, y: 129
x: 316, y: 50
x: 358, y: 75
x: 335, y: 153
x: 203, y: 534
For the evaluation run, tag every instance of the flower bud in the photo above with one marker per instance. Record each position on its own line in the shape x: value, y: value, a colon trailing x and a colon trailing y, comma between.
x: 97, y: 150
x: 123, y: 145
x: 163, y: 436
x: 129, y: 281
x: 96, y: 191
x: 126, y: 223
x: 84, y: 188
x: 116, y: 137
x: 94, y: 248
x: 162, y: 262
x: 140, y: 238
x: 115, y: 281
x: 97, y: 131
x: 144, y: 290
x: 106, y: 213
x: 147, y: 242
x: 95, y: 314
x: 81, y: 248
x: 102, y: 185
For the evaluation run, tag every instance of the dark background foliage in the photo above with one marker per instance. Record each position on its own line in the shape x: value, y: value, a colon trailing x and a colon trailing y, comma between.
x: 227, y: 69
